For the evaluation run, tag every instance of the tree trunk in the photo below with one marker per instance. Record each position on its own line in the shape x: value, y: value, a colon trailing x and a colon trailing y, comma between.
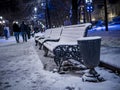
x: 74, y: 12
x: 106, y: 15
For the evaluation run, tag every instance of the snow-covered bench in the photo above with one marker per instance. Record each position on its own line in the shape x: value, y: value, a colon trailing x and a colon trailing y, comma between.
x: 39, y: 36
x: 54, y: 36
x: 67, y: 47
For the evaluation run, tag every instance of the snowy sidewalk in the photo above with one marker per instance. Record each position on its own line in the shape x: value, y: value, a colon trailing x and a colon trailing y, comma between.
x: 110, y: 56
x: 21, y: 69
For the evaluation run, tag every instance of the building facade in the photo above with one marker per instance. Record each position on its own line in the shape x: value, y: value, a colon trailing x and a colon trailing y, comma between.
x: 99, y: 11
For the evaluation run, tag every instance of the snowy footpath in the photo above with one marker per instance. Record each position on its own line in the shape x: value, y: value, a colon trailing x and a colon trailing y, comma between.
x: 22, y: 69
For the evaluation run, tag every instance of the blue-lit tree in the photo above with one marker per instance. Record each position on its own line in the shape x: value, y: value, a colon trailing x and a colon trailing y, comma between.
x: 89, y: 7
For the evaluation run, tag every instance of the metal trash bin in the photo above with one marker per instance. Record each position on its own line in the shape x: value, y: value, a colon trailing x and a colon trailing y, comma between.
x: 90, y: 51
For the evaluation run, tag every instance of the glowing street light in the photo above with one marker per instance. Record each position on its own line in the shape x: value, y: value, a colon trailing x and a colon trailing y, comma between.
x: 42, y: 4
x: 3, y: 21
x: 35, y: 9
x: 17, y: 22
x: 35, y: 17
x: 1, y: 17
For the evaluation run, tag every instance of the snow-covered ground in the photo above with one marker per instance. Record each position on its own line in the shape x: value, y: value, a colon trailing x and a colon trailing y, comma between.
x: 21, y: 69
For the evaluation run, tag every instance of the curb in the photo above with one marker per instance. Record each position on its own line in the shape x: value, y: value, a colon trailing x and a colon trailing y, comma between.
x: 113, y: 68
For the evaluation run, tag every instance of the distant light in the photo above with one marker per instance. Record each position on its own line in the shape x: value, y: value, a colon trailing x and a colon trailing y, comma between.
x: 53, y: 26
x: 17, y: 22
x: 0, y: 22
x: 88, y: 7
x: 1, y: 17
x: 111, y: 15
x: 91, y: 7
x: 13, y: 22
x: 35, y: 17
x: 93, y: 19
x: 35, y: 9
x: 81, y: 21
x: 42, y: 4
x: 3, y: 21
x: 43, y: 26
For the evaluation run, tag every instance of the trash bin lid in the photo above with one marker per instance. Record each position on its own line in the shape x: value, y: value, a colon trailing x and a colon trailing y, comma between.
x: 89, y: 38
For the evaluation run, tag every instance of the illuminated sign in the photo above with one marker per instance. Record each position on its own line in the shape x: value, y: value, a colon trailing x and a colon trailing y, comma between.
x: 88, y: 1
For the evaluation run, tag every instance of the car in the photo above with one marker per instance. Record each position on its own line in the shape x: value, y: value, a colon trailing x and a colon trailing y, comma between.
x: 116, y: 19
x: 111, y: 26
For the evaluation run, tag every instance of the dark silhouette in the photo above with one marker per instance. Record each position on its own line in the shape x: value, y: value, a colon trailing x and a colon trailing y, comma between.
x: 28, y: 31
x: 16, y: 31
x: 23, y: 29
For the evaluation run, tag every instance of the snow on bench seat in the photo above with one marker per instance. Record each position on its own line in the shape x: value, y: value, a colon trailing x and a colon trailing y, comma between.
x: 54, y: 36
x: 69, y: 36
x: 39, y: 36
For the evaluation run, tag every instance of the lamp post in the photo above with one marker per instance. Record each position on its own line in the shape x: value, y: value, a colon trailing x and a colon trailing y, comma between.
x: 35, y: 13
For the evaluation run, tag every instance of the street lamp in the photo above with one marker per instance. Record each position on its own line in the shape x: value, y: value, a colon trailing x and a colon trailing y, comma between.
x: 35, y: 17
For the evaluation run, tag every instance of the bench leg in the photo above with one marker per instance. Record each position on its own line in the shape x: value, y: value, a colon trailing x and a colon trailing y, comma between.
x: 58, y: 62
x: 40, y: 46
x: 46, y: 51
x: 36, y: 42
x: 60, y: 65
x: 66, y: 52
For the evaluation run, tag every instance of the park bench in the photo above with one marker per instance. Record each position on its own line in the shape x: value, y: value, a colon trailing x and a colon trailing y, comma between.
x: 54, y: 36
x: 46, y: 34
x: 67, y: 47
